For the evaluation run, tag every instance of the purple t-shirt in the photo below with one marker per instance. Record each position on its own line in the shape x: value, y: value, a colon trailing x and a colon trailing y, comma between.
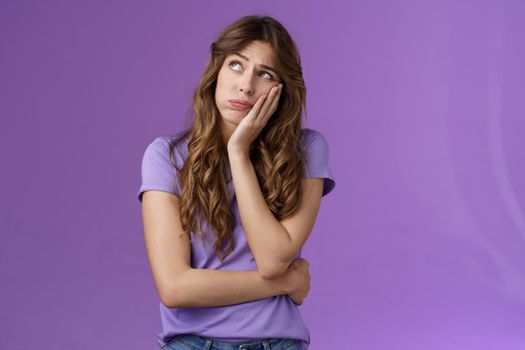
x: 274, y: 317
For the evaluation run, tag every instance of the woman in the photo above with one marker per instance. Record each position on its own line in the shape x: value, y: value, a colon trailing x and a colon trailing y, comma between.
x: 229, y: 203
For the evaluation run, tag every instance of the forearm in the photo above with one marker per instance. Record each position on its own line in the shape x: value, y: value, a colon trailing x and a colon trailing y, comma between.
x: 266, y: 236
x: 208, y: 287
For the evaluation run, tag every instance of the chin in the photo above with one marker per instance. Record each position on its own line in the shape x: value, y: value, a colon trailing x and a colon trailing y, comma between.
x: 234, y: 117
x: 231, y: 121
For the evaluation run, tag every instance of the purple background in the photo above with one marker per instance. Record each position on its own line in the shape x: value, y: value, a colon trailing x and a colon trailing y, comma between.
x: 420, y: 246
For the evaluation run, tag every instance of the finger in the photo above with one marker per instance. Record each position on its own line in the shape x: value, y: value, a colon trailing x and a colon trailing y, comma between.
x: 273, y: 103
x: 273, y: 106
x: 261, y: 116
x: 257, y: 107
x: 264, y: 107
x: 268, y: 109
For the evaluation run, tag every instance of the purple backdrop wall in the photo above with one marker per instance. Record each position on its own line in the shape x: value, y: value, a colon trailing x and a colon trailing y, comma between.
x: 421, y: 245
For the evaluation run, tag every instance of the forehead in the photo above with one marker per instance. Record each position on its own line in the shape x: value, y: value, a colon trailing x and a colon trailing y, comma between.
x: 259, y: 52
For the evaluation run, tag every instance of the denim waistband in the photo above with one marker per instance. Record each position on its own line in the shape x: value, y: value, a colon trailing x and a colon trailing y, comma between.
x: 195, y: 341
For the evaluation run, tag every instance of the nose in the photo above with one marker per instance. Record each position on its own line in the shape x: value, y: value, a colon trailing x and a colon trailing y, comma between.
x: 246, y: 85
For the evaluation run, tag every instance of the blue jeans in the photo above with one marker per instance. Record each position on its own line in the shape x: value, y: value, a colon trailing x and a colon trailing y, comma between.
x: 195, y: 342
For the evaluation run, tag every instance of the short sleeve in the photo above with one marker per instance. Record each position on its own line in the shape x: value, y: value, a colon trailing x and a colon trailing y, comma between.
x: 316, y: 150
x: 158, y: 172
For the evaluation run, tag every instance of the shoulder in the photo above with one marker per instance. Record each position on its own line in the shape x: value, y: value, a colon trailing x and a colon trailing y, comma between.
x: 315, y: 148
x: 160, y: 143
x: 313, y: 139
x: 160, y: 147
x: 310, y: 135
x: 159, y: 166
x: 163, y: 142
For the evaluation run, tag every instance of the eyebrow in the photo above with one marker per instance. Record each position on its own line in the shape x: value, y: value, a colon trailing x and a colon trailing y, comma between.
x: 262, y: 65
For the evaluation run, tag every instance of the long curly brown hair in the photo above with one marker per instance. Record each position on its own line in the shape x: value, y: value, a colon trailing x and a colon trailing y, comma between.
x: 276, y: 154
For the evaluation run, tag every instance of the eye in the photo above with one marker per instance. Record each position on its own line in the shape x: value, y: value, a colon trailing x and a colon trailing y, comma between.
x: 265, y: 72
x: 233, y: 63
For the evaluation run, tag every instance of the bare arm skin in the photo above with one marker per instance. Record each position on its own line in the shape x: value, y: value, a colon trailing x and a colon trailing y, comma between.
x: 274, y: 243
x: 207, y: 287
x: 180, y: 285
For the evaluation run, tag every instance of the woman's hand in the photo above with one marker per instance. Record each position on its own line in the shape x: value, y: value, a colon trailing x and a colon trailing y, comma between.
x: 297, y: 278
x: 252, y: 124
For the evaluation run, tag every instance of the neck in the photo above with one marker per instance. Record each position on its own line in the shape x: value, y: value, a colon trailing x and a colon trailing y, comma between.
x: 227, y: 130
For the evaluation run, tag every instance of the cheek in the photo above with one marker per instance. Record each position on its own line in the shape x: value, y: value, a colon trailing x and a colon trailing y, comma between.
x: 268, y: 86
x: 219, y: 89
x: 264, y: 91
x: 222, y: 82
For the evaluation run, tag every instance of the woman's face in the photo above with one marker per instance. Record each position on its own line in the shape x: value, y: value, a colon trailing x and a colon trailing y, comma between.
x: 244, y: 77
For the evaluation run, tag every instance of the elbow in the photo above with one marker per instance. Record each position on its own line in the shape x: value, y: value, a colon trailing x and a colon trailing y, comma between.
x: 171, y: 297
x: 272, y: 271
x: 169, y: 301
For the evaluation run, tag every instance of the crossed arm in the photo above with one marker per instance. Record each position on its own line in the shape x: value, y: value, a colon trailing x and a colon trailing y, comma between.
x: 169, y: 250
x: 177, y: 283
x: 274, y: 243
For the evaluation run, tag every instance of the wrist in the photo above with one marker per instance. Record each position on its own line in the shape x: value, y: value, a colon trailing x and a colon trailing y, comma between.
x: 237, y: 154
x: 279, y: 285
x: 282, y: 285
